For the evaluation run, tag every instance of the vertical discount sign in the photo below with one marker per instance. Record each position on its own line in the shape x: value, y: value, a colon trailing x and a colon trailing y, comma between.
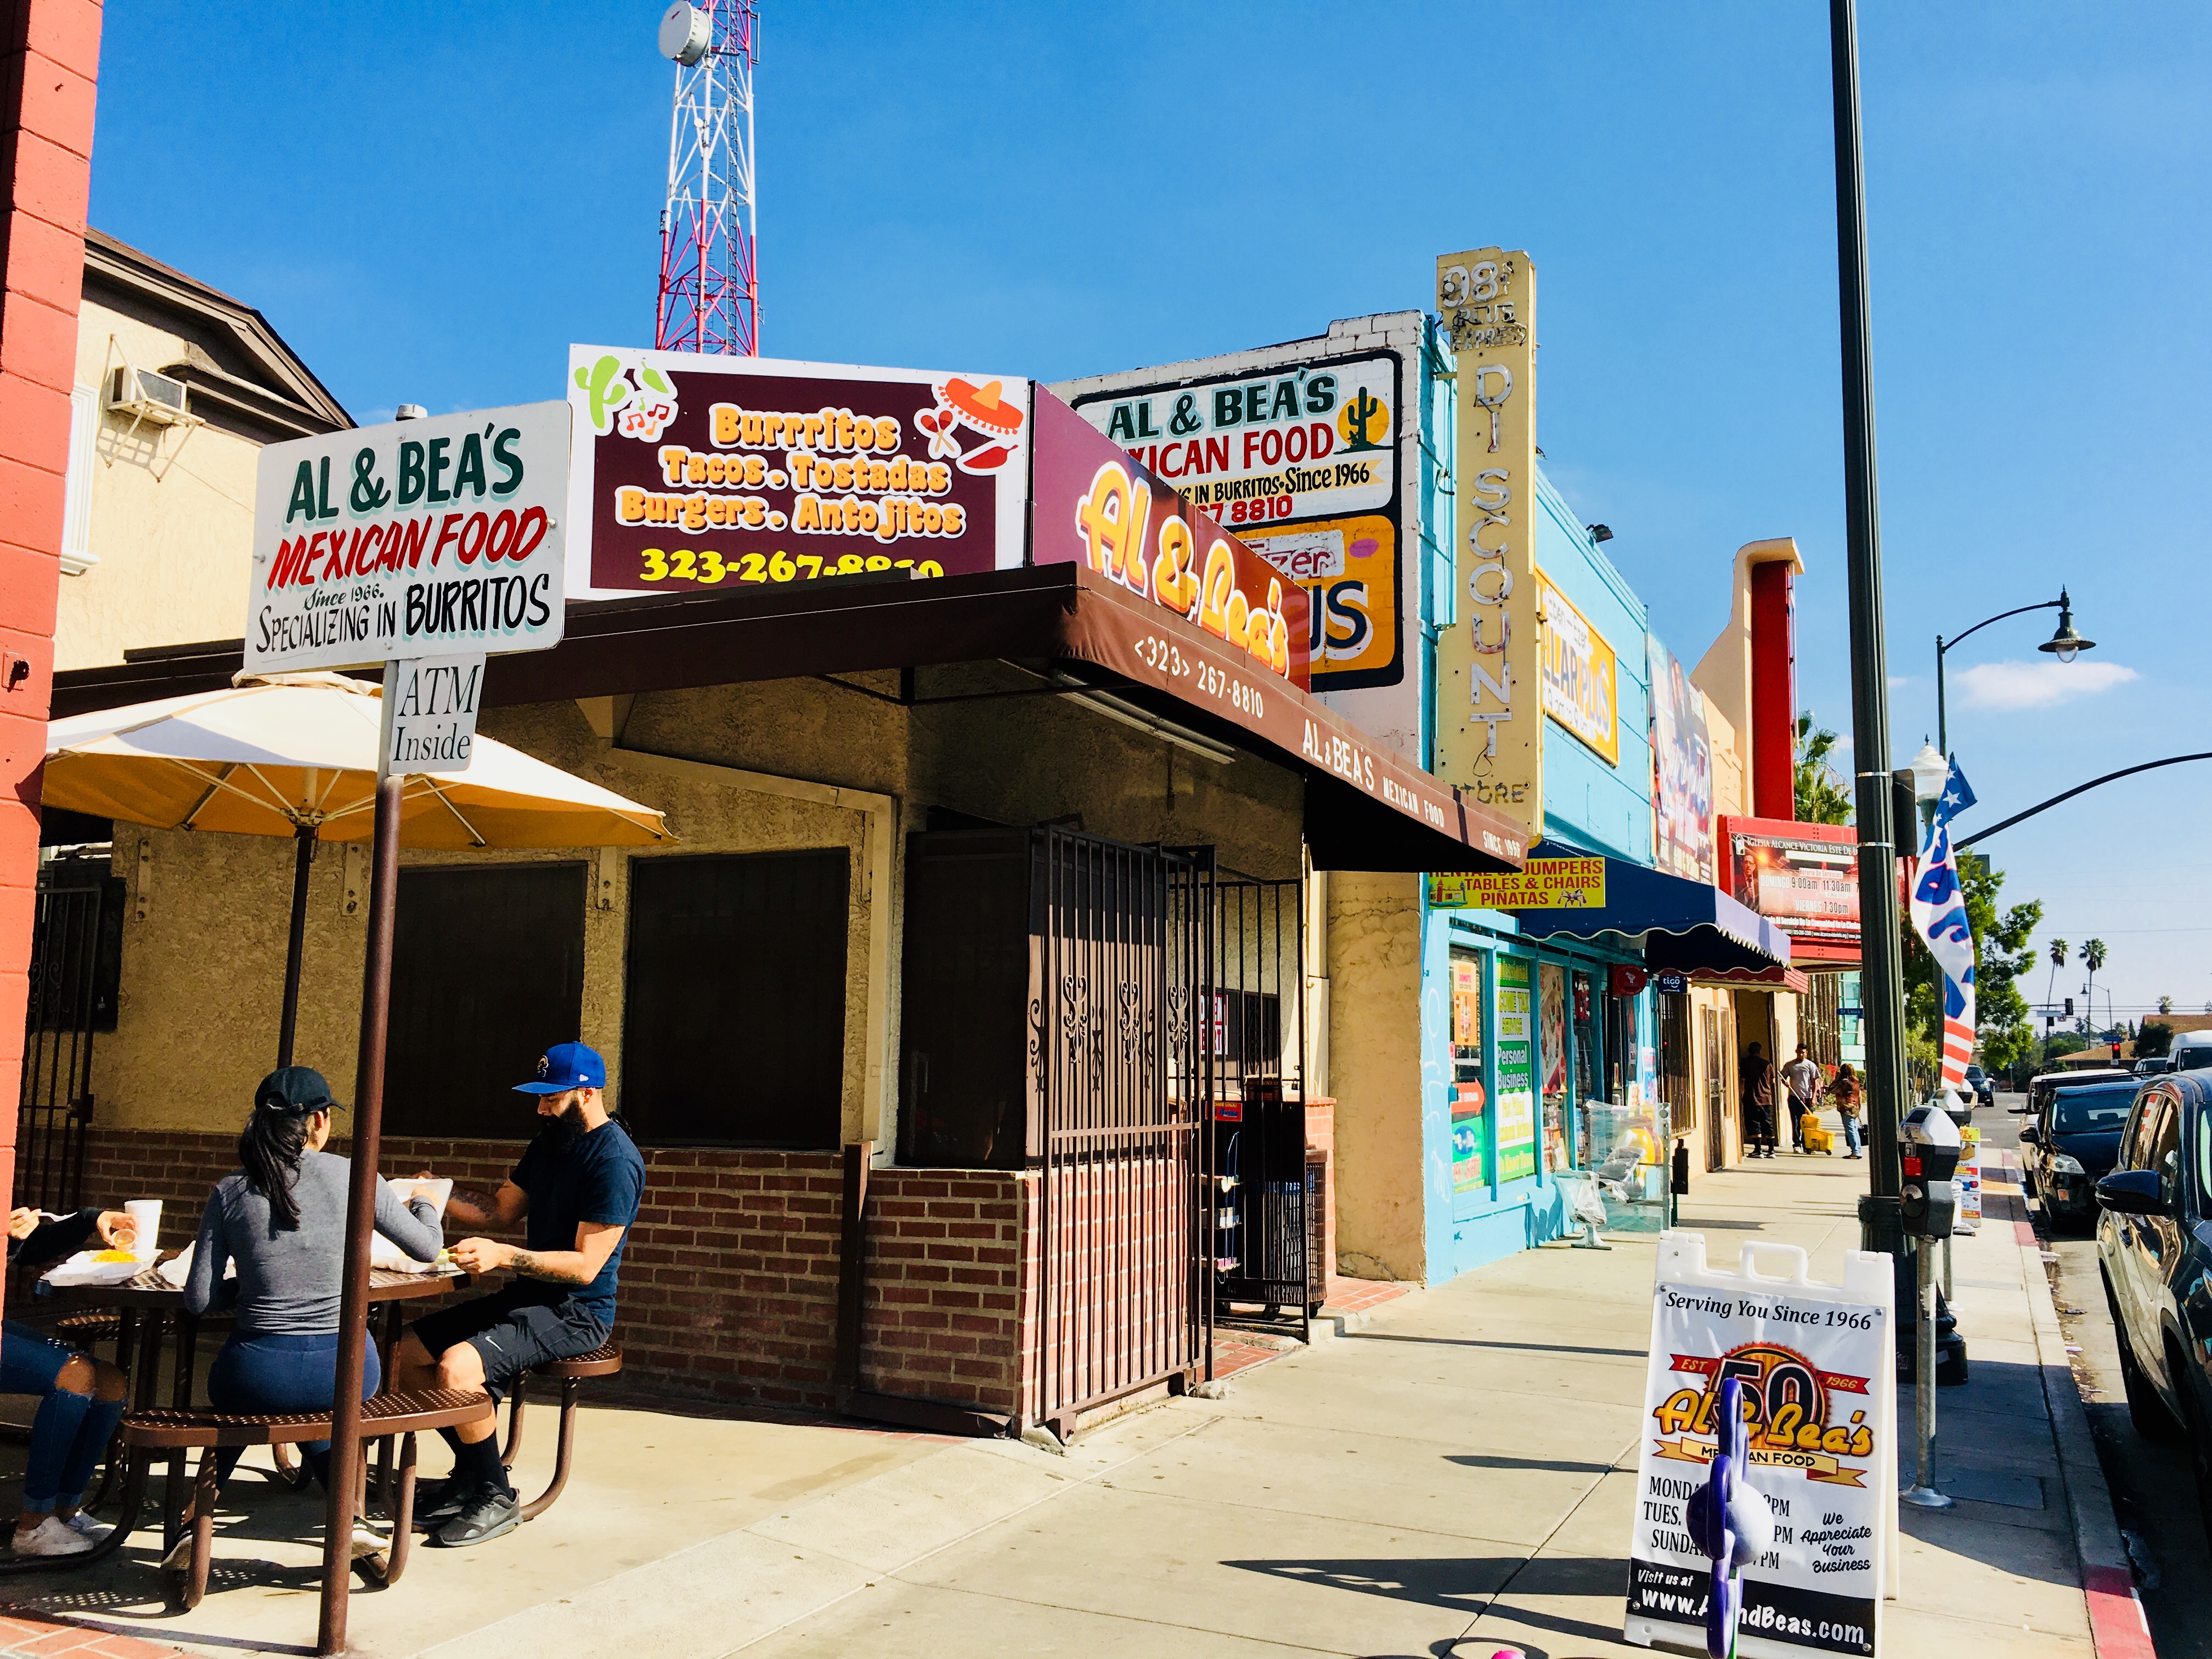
x: 1816, y: 1365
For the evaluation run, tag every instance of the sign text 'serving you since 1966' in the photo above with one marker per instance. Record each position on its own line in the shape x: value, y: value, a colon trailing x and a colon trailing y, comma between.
x: 411, y: 540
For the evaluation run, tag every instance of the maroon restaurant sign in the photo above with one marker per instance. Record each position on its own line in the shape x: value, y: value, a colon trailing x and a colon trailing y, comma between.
x: 1097, y: 506
x: 692, y: 472
x: 1803, y: 877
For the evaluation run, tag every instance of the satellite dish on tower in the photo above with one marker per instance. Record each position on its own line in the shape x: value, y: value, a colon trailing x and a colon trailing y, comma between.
x: 684, y: 31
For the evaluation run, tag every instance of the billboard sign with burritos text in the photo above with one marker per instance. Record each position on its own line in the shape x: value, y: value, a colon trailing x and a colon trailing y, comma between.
x: 416, y: 538
x: 696, y: 472
x: 1096, y: 506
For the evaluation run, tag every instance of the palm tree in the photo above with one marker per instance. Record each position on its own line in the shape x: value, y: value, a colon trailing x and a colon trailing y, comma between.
x: 2093, y: 954
x: 2058, y: 961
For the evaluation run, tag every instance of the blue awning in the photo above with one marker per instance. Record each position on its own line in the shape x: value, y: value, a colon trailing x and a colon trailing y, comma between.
x: 1683, y: 925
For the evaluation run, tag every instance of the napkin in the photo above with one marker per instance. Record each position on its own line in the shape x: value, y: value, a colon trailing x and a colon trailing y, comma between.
x: 178, y: 1267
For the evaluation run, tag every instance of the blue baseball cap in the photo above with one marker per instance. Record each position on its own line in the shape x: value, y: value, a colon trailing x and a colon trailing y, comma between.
x: 566, y: 1066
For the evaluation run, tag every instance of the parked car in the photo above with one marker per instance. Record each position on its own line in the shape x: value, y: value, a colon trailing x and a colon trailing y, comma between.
x: 2153, y: 1065
x: 2039, y: 1087
x: 1978, y: 1080
x: 2072, y: 1142
x: 2155, y: 1250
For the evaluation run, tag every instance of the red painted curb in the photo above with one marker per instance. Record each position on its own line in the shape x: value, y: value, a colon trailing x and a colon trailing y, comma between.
x: 2117, y: 1623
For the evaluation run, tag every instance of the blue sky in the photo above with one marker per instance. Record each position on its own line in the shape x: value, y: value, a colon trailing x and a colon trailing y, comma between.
x: 431, y: 202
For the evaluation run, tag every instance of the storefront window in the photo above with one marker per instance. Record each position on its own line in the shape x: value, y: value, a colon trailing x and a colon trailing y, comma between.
x: 1586, y: 1068
x: 1470, y: 1117
x: 1551, y: 1026
x: 1516, y: 1073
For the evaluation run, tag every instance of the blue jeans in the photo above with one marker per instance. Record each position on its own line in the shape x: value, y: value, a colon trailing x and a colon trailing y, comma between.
x: 1851, y: 1134
x: 71, y: 1430
x: 263, y: 1372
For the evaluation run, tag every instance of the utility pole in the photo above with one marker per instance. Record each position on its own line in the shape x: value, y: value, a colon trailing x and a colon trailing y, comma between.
x: 1881, y: 976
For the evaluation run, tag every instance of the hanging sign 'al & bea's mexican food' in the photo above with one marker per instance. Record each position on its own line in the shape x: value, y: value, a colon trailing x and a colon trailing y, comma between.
x: 1097, y: 506
x: 695, y: 471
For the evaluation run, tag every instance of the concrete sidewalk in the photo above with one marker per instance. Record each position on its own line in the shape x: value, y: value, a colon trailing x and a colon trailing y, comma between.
x: 1455, y: 1476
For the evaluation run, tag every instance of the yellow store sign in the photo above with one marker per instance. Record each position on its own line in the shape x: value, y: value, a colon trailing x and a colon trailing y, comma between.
x: 1581, y: 678
x: 1545, y: 884
x: 1489, y: 724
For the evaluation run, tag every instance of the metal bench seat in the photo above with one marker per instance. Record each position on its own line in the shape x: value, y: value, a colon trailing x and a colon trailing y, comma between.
x: 384, y: 1416
x: 606, y: 1361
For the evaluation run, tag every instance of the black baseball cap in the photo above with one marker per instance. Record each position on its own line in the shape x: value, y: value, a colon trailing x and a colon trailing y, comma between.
x: 294, y: 1091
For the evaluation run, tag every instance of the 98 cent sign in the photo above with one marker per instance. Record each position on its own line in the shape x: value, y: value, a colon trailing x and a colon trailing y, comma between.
x: 418, y: 538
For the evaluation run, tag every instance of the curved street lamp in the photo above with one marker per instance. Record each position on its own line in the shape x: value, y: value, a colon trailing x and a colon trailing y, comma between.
x: 2065, y: 644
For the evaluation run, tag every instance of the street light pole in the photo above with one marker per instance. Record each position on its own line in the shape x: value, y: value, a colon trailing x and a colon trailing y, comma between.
x: 1881, y: 983
x: 2064, y: 644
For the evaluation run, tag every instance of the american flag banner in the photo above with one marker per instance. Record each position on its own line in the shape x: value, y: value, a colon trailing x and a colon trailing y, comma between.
x: 1939, y: 917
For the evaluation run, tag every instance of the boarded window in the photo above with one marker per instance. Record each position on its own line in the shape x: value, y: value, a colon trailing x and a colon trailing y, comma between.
x: 487, y: 973
x: 733, y: 1029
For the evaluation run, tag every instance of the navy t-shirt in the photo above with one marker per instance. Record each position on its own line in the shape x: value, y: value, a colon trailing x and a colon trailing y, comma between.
x: 596, y: 1178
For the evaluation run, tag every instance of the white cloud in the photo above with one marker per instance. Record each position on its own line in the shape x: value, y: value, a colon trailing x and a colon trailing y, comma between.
x: 2039, y: 684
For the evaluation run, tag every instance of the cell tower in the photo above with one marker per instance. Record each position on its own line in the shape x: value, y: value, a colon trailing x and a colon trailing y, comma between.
x: 709, y: 282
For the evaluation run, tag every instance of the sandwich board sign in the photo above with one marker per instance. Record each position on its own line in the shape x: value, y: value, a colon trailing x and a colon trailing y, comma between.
x: 1817, y: 1364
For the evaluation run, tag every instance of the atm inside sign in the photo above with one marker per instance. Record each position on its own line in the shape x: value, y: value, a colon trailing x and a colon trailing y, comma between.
x: 1544, y: 884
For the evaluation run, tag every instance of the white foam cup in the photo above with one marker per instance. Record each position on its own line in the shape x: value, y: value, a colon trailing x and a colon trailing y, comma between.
x: 145, y: 1215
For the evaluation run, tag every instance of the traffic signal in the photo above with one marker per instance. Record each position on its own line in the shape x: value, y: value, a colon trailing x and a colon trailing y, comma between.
x: 2070, y: 1007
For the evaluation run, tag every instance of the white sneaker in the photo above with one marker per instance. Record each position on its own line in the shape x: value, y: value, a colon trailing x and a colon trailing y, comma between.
x: 50, y: 1537
x: 85, y: 1526
x: 365, y: 1542
x: 180, y: 1558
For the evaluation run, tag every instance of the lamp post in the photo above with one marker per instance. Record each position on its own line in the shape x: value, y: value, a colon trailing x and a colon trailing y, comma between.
x: 2065, y: 645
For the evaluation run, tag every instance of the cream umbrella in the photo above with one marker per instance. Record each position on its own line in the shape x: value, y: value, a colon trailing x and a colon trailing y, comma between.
x: 296, y: 755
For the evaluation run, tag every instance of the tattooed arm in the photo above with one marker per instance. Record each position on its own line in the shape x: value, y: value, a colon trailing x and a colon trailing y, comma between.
x: 595, y: 1243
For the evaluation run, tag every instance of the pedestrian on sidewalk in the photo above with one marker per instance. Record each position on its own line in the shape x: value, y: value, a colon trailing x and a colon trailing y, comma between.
x: 1756, y: 1074
x: 1803, y: 1078
x: 1845, y: 1092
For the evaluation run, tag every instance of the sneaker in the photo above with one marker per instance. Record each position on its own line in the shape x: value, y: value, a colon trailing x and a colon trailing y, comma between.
x: 437, y: 1501
x: 490, y: 1512
x: 51, y: 1537
x: 85, y: 1526
x: 179, y: 1558
x: 367, y: 1542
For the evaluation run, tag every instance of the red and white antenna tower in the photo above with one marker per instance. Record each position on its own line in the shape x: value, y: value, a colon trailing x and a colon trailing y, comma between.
x: 709, y: 281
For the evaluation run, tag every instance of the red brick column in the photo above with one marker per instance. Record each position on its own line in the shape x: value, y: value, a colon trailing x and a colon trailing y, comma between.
x: 49, y: 68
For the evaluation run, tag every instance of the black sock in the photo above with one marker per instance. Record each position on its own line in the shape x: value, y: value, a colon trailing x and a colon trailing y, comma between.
x: 452, y: 1439
x: 478, y: 1464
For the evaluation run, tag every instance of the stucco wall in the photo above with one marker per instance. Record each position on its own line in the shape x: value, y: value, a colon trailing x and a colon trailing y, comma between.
x: 1375, y: 1072
x: 202, y: 981
x: 173, y: 549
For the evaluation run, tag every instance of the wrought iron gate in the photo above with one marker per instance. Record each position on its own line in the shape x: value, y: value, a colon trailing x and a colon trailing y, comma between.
x: 77, y: 951
x: 1268, y: 1202
x: 1118, y: 1082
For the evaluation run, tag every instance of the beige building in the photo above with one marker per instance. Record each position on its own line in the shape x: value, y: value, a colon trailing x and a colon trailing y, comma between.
x: 177, y: 387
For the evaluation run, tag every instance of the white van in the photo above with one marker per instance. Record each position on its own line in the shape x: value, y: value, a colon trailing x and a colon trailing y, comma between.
x: 2192, y: 1051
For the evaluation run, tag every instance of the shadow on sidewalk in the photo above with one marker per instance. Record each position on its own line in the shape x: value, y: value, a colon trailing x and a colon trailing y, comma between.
x: 1472, y: 1585
x: 1474, y: 1342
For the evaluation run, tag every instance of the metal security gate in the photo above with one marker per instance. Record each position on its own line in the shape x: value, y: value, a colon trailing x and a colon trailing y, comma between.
x: 1268, y: 1200
x: 1118, y: 1082
x: 76, y: 953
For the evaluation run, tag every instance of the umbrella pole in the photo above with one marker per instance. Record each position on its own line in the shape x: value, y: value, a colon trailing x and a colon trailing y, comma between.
x: 360, y: 1196
x: 303, y: 842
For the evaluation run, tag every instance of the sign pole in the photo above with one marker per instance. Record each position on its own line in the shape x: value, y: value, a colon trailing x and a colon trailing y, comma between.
x: 361, y: 1190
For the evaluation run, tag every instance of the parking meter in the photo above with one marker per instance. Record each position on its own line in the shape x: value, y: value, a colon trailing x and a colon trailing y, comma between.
x: 1929, y: 1142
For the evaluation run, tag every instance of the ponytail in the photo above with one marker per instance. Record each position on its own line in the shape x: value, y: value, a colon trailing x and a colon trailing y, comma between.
x: 269, y: 1151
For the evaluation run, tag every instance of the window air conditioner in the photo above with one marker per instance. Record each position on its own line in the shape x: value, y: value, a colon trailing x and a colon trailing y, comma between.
x: 147, y: 396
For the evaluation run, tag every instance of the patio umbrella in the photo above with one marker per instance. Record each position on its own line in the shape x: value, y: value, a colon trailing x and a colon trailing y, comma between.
x: 295, y: 755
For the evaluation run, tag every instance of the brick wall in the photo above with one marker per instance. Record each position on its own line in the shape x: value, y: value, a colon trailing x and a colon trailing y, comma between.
x: 729, y: 1279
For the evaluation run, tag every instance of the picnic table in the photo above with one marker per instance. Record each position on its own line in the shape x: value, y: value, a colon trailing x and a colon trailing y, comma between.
x: 152, y: 1312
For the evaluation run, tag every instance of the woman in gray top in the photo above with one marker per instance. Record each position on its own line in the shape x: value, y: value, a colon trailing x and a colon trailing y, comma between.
x: 282, y: 1219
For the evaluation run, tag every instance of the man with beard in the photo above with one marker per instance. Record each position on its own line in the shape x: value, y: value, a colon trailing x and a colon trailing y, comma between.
x: 578, y: 1183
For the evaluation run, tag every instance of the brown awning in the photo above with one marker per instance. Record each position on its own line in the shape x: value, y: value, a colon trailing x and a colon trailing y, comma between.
x: 1365, y: 809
